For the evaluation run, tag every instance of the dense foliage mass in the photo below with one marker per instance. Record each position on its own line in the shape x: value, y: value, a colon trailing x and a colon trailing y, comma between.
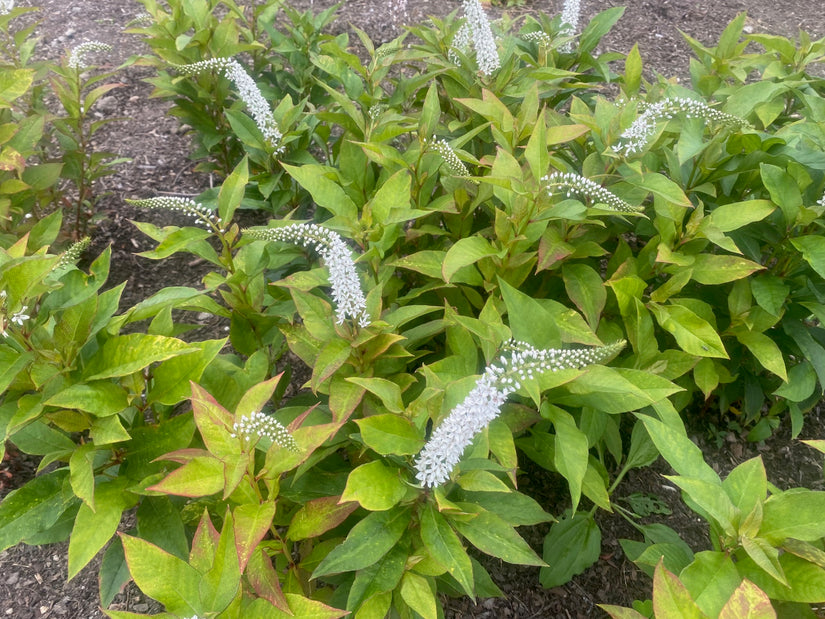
x: 488, y: 243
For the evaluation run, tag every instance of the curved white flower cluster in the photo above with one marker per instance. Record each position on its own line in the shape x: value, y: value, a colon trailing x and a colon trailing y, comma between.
x: 256, y: 425
x: 77, y: 58
x: 443, y: 451
x: 454, y: 164
x: 346, y: 287
x: 590, y: 188
x: 477, y: 30
x: 6, y: 6
x: 636, y: 137
x: 569, y: 22
x: 821, y: 201
x: 539, y: 37
x: 247, y: 89
x: 202, y: 214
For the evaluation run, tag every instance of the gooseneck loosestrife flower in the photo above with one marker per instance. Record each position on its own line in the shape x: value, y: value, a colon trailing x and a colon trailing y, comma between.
x: 569, y: 22
x: 575, y: 183
x: 251, y: 428
x: 637, y: 136
x: 203, y: 215
x: 477, y: 30
x: 519, y: 362
x: 77, y: 58
x: 247, y: 89
x: 346, y: 287
x: 454, y: 164
x: 72, y: 255
x: 6, y: 6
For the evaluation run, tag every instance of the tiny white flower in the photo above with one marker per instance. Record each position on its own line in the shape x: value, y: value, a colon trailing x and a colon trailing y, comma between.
x: 346, y: 288
x: 77, y: 58
x: 6, y: 6
x: 443, y: 451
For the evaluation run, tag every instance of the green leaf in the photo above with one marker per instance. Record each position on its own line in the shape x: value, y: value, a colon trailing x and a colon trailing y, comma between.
x: 572, y: 546
x: 765, y: 556
x: 162, y: 576
x: 252, y: 523
x: 619, y: 612
x: 201, y: 476
x: 114, y: 573
x: 299, y: 606
x: 101, y: 398
x: 783, y: 189
x: 747, y: 485
x: 367, y: 542
x: 159, y: 522
x: 325, y: 192
x: 122, y: 355
x: 387, y: 391
x: 586, y: 289
x: 464, y: 252
x: 82, y: 475
x: 375, y: 486
x: 333, y: 355
x: 220, y: 584
x: 513, y: 507
x: 318, y: 516
x: 796, y: 513
x: 92, y: 529
x: 390, y: 434
x: 711, y: 578
x: 171, y: 379
x: 416, y: 592
x: 671, y: 599
x: 730, y: 217
x: 481, y: 481
x: 572, y: 450
x: 679, y: 451
x: 13, y: 84
x: 599, y: 26
x: 693, y: 334
x: 495, y: 537
x: 444, y: 546
x: 766, y: 352
x: 33, y: 508
x: 748, y: 602
x: 232, y: 191
x: 813, y: 251
x: 616, y: 390
x: 711, y: 269
x: 632, y: 71
x: 662, y: 187
x: 529, y: 321
x: 711, y: 499
x: 642, y: 451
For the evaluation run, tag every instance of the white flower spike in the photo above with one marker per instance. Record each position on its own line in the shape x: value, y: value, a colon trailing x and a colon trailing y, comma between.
x: 443, y: 451
x: 205, y: 216
x: 590, y: 188
x: 636, y: 137
x: 477, y: 29
x: 569, y: 22
x: 247, y: 89
x: 77, y: 58
x: 346, y: 288
x: 256, y: 425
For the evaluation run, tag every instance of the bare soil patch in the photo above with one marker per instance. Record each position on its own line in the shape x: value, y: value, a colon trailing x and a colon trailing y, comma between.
x: 33, y: 579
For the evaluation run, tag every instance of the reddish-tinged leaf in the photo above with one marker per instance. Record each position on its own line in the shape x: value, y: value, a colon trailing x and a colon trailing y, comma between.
x: 258, y: 395
x: 671, y: 599
x: 182, y: 456
x: 264, y: 580
x: 199, y: 477
x: 203, y: 544
x: 214, y: 423
x: 319, y: 516
x: 251, y: 525
x: 619, y: 612
x: 748, y: 602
